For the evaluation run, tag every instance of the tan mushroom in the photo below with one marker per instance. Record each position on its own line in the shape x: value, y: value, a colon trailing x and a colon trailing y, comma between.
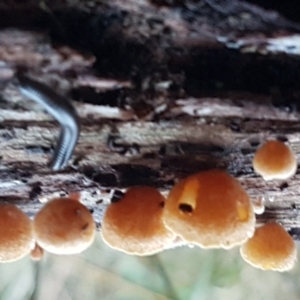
x: 271, y: 248
x: 64, y: 226
x: 134, y: 225
x: 37, y: 252
x: 274, y: 160
x: 259, y: 205
x: 210, y: 209
x: 16, y: 238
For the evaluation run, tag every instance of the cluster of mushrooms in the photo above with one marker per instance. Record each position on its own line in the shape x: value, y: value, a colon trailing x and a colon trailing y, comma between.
x: 62, y: 226
x: 209, y: 209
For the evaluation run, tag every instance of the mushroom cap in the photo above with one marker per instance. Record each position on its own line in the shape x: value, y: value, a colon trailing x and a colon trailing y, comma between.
x: 37, y: 252
x: 274, y: 160
x: 134, y: 223
x: 270, y: 248
x: 16, y: 239
x: 210, y: 209
x: 64, y: 226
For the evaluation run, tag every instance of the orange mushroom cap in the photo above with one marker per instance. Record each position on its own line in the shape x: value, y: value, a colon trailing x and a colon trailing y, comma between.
x: 134, y: 224
x: 64, y: 226
x: 210, y: 209
x: 271, y: 248
x: 275, y: 160
x: 16, y: 238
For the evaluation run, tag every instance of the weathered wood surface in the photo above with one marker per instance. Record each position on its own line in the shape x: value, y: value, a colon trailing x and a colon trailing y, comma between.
x: 160, y: 92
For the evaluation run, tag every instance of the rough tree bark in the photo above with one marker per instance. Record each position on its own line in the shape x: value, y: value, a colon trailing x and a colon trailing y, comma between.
x: 163, y: 89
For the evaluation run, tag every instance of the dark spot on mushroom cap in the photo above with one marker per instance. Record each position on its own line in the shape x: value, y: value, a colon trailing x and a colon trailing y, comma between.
x: 162, y: 204
x: 85, y: 226
x: 186, y: 208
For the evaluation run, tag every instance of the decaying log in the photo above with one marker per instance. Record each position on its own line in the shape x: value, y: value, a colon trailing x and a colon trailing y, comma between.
x: 163, y: 89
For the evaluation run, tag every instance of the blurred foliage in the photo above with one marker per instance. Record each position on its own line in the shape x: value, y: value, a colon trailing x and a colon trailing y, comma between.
x: 179, y: 274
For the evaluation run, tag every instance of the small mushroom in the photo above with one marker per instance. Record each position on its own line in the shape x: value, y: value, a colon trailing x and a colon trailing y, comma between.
x: 274, y: 160
x: 271, y: 248
x: 37, y: 252
x: 210, y: 209
x: 16, y: 238
x: 64, y: 226
x: 134, y: 225
x: 259, y: 205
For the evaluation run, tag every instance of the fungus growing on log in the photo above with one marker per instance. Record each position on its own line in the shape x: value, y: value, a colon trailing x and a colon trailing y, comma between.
x: 134, y: 223
x: 275, y: 160
x: 210, y: 209
x: 64, y: 226
x: 16, y: 238
x: 270, y: 248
